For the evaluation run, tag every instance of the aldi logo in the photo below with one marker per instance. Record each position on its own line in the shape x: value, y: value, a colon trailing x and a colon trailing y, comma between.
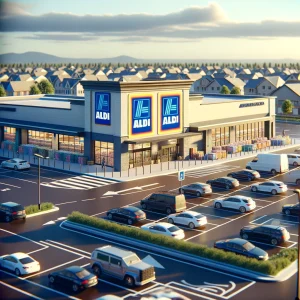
x: 102, y: 108
x: 170, y: 112
x: 141, y: 115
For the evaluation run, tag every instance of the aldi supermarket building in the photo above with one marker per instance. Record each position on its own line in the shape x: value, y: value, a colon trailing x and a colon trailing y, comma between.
x: 130, y: 124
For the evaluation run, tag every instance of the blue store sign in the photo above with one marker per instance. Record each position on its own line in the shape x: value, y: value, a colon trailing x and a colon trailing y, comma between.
x: 170, y: 112
x: 141, y: 113
x: 102, y: 108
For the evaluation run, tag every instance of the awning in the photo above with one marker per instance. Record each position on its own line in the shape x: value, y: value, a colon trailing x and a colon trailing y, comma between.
x: 161, y: 138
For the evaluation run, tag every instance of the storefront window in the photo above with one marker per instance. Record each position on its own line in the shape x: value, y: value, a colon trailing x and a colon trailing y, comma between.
x: 40, y: 138
x: 9, y: 133
x: 139, y: 154
x: 71, y: 143
x: 104, y: 150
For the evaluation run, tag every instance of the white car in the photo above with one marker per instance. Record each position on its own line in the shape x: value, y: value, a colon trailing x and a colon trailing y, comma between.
x: 273, y: 187
x: 188, y: 218
x: 20, y: 263
x: 16, y: 164
x: 165, y: 229
x: 294, y: 159
x: 241, y: 203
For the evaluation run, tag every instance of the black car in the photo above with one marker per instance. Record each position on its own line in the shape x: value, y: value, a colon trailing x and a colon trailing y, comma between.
x: 74, y: 277
x: 11, y: 211
x: 242, y: 247
x: 244, y: 175
x: 265, y: 233
x: 291, y: 209
x: 128, y: 214
x: 224, y: 182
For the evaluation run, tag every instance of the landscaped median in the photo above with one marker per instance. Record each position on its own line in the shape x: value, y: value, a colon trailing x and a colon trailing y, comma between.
x: 273, y: 266
x: 46, y: 207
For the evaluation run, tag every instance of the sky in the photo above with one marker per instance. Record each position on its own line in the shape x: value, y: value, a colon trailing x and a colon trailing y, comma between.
x: 156, y: 29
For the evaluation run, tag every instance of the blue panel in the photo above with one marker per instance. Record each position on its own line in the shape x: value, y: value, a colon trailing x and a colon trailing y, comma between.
x: 141, y: 115
x: 102, y: 108
x: 170, y: 112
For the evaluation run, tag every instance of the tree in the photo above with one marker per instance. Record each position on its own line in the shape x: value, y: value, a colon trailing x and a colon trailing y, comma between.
x: 46, y: 87
x: 225, y: 90
x: 235, y: 91
x: 34, y: 90
x: 2, y: 91
x: 287, y: 107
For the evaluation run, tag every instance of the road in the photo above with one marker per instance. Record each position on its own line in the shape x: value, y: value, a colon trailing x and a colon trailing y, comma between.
x: 55, y: 247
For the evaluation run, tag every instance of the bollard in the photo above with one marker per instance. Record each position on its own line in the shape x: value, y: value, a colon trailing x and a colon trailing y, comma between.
x: 161, y: 165
x: 135, y: 171
x: 80, y: 167
x: 112, y: 172
x: 178, y: 165
x: 207, y: 158
x: 182, y: 164
x: 241, y: 153
x: 168, y: 165
x: 150, y: 168
x: 128, y: 172
x: 88, y: 168
x: 69, y: 165
x: 48, y: 162
x: 104, y: 170
x: 175, y: 164
x: 120, y: 173
x: 143, y: 170
x: 201, y: 158
x: 54, y: 163
x: 96, y: 171
x: 63, y: 164
x: 189, y: 162
x: 195, y: 161
x: 231, y: 154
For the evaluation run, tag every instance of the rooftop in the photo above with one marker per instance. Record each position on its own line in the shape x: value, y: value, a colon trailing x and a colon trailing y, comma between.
x: 217, y: 98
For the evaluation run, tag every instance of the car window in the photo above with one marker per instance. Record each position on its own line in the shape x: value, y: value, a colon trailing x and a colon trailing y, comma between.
x: 237, y: 247
x: 173, y: 229
x: 14, y: 260
x: 161, y: 229
x: 8, y: 258
x: 181, y: 216
x: 230, y: 245
x: 82, y: 274
x: 248, y: 246
x: 154, y: 227
x: 267, y: 230
x: 188, y: 216
x: 153, y: 197
x: 258, y: 230
x: 12, y: 161
x: 62, y: 273
x: 229, y: 200
x: 115, y: 261
x: 103, y: 257
x: 70, y: 275
x: 26, y: 260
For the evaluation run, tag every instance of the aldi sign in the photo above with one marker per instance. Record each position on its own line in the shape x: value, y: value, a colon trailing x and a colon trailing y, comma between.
x: 170, y: 112
x: 141, y: 115
x: 102, y: 108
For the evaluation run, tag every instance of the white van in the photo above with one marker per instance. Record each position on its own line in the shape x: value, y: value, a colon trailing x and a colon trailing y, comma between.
x: 292, y: 177
x: 268, y: 162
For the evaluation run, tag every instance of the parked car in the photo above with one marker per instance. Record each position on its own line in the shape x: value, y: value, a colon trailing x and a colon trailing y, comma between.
x: 224, y: 182
x: 297, y: 151
x: 188, y: 218
x: 74, y: 277
x: 294, y: 159
x: 293, y: 177
x: 128, y: 214
x: 16, y: 164
x: 11, y: 211
x: 273, y: 187
x: 265, y: 233
x: 244, y: 175
x: 237, y: 202
x: 291, y: 209
x: 199, y: 189
x: 165, y: 201
x: 121, y: 264
x: 20, y: 263
x: 165, y: 229
x: 242, y: 247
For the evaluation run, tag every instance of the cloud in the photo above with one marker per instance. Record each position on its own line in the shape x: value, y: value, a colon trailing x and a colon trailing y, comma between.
x: 9, y: 9
x: 61, y: 37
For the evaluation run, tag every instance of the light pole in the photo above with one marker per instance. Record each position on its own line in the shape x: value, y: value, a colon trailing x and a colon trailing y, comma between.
x: 297, y: 191
x: 39, y: 178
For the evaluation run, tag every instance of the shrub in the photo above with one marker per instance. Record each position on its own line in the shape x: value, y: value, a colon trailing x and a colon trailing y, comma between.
x: 32, y: 209
x: 271, y: 267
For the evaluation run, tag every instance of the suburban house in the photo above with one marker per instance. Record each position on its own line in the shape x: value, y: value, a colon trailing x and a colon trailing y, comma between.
x: 19, y: 88
x: 269, y: 84
x: 21, y: 77
x: 69, y: 86
x: 4, y: 77
x: 216, y: 85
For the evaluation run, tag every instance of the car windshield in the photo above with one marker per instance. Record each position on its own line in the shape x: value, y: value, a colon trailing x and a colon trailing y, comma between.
x: 247, y: 200
x: 199, y: 216
x: 26, y: 260
x: 22, y: 161
x: 132, y: 259
x: 248, y: 246
x: 82, y: 274
x: 18, y: 208
x: 173, y: 229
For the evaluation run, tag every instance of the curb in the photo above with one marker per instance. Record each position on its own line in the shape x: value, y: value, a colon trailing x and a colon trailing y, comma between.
x: 43, y: 212
x: 219, y: 266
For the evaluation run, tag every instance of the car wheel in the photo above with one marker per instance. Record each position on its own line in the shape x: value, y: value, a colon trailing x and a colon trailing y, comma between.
x: 274, y: 242
x: 254, y: 189
x: 218, y: 205
x: 171, y: 221
x: 75, y: 288
x: 51, y: 279
x: 17, y: 272
x: 295, y: 164
x: 130, y: 222
x: 273, y: 172
x: 273, y: 192
x: 7, y: 219
x: 227, y: 187
x: 287, y: 212
x: 242, y: 209
x: 129, y: 281
x: 97, y: 270
x: 198, y: 194
x: 181, y: 191
x: 110, y: 216
x: 144, y: 206
x: 15, y: 168
x: 168, y: 210
x: 298, y: 181
x: 192, y: 225
x: 245, y: 236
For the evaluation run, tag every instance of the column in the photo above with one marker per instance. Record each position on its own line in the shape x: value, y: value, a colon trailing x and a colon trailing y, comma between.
x: 121, y: 156
x: 208, y: 141
x: 1, y: 134
x: 268, y: 129
x: 18, y: 139
x: 89, y: 149
x: 55, y: 141
x: 24, y: 136
x: 232, y: 134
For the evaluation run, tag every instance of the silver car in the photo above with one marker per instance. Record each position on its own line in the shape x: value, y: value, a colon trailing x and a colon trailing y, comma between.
x: 16, y: 164
x: 198, y: 188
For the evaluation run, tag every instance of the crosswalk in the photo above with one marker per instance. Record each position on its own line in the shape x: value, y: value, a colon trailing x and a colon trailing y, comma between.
x: 82, y: 182
x: 210, y: 171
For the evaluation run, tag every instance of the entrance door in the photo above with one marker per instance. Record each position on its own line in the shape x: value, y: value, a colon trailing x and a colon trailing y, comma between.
x: 169, y: 153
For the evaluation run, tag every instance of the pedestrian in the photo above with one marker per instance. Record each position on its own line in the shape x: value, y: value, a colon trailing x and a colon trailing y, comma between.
x: 283, y: 132
x: 103, y: 162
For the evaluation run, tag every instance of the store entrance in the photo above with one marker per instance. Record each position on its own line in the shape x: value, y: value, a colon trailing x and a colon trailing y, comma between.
x: 169, y: 152
x: 139, y: 155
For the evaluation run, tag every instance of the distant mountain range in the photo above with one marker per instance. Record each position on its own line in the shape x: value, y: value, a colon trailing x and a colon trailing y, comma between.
x: 39, y: 57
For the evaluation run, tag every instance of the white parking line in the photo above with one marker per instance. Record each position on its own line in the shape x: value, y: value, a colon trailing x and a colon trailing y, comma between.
x: 89, y: 199
x: 17, y: 178
x: 18, y: 187
x: 65, y: 203
x: 258, y: 219
x: 161, y: 186
x: 267, y: 244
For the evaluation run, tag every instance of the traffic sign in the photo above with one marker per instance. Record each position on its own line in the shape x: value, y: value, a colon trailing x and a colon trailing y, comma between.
x: 181, y: 175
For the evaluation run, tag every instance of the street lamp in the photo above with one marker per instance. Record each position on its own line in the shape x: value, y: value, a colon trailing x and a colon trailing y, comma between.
x: 39, y: 178
x: 297, y: 191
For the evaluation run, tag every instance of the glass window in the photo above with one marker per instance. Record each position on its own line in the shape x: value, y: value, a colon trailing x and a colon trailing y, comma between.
x: 104, y: 151
x: 71, y: 143
x: 115, y: 261
x: 9, y: 134
x: 140, y: 154
x: 102, y: 257
x: 40, y: 138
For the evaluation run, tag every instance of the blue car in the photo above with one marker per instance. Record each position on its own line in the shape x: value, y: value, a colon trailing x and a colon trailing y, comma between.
x: 242, y: 247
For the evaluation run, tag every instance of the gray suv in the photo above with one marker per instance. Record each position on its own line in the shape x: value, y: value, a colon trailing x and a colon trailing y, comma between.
x: 122, y: 264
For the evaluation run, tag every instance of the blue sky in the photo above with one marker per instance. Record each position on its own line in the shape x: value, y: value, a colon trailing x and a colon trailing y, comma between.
x: 224, y: 29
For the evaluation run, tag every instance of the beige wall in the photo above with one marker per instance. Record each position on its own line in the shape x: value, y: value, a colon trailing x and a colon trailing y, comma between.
x: 269, y: 88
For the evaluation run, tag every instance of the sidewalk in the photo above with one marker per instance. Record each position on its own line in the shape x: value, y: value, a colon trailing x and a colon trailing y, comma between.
x: 164, y: 168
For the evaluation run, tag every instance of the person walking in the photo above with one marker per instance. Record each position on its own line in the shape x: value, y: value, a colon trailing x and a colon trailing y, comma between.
x: 103, y: 162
